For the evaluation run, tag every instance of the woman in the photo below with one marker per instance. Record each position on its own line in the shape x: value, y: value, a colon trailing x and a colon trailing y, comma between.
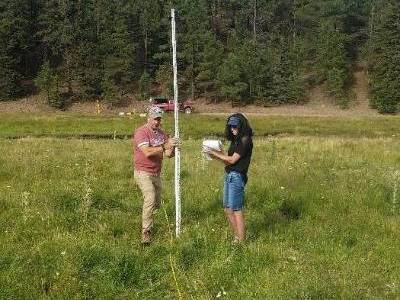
x: 237, y: 161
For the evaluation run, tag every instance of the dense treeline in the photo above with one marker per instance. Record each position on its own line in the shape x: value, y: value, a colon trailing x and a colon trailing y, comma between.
x: 263, y: 51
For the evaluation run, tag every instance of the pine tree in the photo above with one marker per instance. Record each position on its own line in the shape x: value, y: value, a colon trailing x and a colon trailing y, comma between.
x: 384, y: 57
x: 230, y: 81
x: 144, y: 86
x: 277, y: 74
x: 15, y: 44
x: 194, y: 40
x: 332, y: 60
x: 162, y: 56
x: 118, y: 64
x: 10, y: 78
x: 47, y: 81
x: 89, y: 45
x: 256, y: 50
x: 209, y: 60
x: 58, y: 30
x: 148, y: 14
x: 164, y: 79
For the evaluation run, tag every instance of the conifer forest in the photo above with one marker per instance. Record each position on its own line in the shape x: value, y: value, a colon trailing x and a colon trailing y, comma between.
x: 247, y: 51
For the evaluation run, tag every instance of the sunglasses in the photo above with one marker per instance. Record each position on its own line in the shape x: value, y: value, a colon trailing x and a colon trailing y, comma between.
x: 234, y: 126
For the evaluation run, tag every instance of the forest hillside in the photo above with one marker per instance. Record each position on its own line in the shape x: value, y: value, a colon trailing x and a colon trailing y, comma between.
x: 259, y: 52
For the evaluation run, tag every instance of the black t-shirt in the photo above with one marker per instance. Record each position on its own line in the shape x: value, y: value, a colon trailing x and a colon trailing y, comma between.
x: 243, y: 147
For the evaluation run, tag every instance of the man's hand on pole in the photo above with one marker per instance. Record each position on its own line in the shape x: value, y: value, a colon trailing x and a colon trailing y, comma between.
x: 172, y: 143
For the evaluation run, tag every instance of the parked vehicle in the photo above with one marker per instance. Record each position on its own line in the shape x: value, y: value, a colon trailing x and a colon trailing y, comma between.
x: 168, y: 105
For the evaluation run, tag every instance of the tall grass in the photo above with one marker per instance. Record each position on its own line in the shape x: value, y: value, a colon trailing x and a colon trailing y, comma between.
x: 320, y: 215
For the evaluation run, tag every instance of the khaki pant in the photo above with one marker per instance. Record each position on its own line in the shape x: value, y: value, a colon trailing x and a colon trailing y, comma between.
x: 150, y: 185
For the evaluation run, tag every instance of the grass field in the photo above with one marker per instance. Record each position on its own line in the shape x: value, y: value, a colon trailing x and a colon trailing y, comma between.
x: 322, y: 209
x: 193, y: 126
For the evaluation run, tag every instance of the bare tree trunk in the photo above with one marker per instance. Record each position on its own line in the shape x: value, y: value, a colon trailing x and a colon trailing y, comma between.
x: 371, y: 26
x: 145, y: 48
x: 254, y: 20
x: 192, y: 75
x: 69, y: 72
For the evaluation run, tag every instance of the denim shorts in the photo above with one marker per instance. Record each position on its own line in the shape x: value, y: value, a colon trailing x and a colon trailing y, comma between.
x: 233, y: 191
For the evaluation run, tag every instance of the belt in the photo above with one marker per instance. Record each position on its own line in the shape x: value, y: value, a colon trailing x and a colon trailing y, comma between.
x: 148, y: 173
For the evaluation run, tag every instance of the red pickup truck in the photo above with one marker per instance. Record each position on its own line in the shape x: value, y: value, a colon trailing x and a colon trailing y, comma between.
x: 168, y: 105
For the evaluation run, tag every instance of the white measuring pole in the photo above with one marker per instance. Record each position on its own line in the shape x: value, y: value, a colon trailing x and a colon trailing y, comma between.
x: 177, y: 151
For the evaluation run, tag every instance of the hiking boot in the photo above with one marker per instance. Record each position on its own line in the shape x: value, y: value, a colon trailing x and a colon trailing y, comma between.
x: 237, y: 242
x: 146, y: 238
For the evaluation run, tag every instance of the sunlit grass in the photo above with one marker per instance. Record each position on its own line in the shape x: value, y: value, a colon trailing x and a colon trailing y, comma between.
x: 193, y: 126
x: 321, y: 217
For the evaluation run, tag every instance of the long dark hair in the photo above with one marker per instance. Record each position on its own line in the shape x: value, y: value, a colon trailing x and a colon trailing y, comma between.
x: 244, y: 128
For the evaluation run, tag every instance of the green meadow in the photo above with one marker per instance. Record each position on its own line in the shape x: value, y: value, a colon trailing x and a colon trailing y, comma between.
x: 322, y: 212
x: 193, y: 126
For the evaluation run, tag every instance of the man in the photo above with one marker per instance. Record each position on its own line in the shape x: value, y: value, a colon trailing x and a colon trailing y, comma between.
x: 150, y: 145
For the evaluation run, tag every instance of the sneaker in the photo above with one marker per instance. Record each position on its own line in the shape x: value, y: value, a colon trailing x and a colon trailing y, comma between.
x: 146, y: 238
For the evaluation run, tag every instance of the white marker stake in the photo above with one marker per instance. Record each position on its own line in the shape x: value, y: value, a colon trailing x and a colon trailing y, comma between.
x: 177, y: 151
